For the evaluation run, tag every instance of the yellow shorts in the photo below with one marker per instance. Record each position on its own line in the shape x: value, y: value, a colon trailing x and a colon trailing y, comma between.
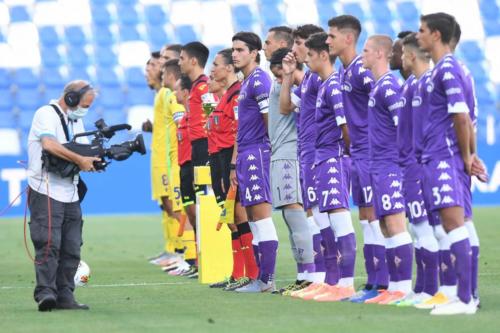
x: 159, y: 182
x: 174, y: 188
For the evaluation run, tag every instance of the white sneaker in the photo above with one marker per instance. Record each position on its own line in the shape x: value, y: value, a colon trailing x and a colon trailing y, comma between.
x: 164, y: 256
x: 257, y: 286
x: 182, y: 268
x: 455, y: 307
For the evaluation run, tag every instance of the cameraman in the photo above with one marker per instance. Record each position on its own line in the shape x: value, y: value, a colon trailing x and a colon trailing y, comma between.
x: 56, y: 267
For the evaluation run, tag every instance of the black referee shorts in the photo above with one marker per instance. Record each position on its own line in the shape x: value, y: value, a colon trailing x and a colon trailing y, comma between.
x: 187, y: 180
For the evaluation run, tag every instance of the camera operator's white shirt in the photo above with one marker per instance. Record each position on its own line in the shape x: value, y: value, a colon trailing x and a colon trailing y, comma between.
x: 47, y: 122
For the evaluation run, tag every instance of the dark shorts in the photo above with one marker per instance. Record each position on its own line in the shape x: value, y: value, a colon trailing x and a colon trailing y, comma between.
x: 199, y: 152
x: 187, y: 179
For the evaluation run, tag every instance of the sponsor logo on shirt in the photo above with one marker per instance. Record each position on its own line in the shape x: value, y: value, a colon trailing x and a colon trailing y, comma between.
x: 453, y: 91
x: 417, y: 101
x: 389, y: 92
x: 257, y: 83
x: 445, y: 188
x: 444, y: 176
x: 443, y: 165
x: 335, y: 91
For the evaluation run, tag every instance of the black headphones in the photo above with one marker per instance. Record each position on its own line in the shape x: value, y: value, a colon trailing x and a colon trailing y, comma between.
x: 72, y: 98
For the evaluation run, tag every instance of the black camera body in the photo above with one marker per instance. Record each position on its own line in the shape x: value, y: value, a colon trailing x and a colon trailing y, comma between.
x: 118, y: 152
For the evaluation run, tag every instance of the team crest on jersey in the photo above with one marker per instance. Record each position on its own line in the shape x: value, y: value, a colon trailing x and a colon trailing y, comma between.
x: 349, y: 73
x: 371, y: 102
x: 202, y: 86
x: 347, y: 87
x: 430, y: 87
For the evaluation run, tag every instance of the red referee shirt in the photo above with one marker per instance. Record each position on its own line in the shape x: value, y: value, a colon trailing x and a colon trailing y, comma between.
x: 183, y: 142
x: 197, y: 118
x: 225, y: 122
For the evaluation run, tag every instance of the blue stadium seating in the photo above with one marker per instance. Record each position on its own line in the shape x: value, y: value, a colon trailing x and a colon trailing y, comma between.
x: 105, y: 57
x: 355, y: 9
x: 25, y: 119
x: 478, y: 71
x: 7, y: 119
x: 114, y: 116
x: 127, y: 14
x: 19, y: 14
x: 134, y: 77
x: 407, y: 11
x: 101, y: 15
x: 107, y: 78
x: 185, y: 34
x: 155, y: 15
x: 325, y: 11
x: 28, y: 100
x: 4, y: 78
x: 140, y: 96
x: 79, y: 73
x: 471, y: 51
x: 489, y: 9
x: 77, y: 56
x: 51, y: 57
x: 25, y: 78
x: 48, y: 36
x: 53, y: 79
x: 49, y: 94
x: 6, y: 100
x: 75, y: 36
x: 492, y: 27
x: 2, y: 37
x: 484, y: 96
x: 99, y: 2
x: 242, y: 14
x: 158, y: 37
x: 103, y: 36
x: 385, y: 29
x: 129, y: 33
x: 111, y: 98
x: 381, y: 12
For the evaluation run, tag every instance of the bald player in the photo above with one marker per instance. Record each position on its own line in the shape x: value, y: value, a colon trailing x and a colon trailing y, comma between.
x: 385, y: 173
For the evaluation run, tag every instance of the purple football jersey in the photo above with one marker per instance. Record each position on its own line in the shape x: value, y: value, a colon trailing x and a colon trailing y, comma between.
x: 304, y: 96
x: 252, y: 103
x: 329, y: 116
x: 419, y: 104
x: 470, y: 93
x: 405, y: 124
x: 383, y: 108
x: 446, y: 98
x: 356, y: 85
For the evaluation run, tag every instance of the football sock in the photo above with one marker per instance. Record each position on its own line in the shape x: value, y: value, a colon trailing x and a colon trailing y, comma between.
x: 246, y: 238
x: 268, y: 247
x: 429, y: 256
x: 460, y: 248
x: 368, y: 253
x: 346, y: 243
x: 474, y: 244
x: 379, y: 256
x: 238, y: 257
x: 447, y: 276
x: 319, y: 260
x: 255, y: 242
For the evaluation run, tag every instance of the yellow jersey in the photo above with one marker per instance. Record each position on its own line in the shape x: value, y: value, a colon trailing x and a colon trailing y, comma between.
x: 164, y: 137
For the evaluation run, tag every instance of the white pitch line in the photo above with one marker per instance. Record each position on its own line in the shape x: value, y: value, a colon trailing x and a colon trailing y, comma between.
x: 153, y: 284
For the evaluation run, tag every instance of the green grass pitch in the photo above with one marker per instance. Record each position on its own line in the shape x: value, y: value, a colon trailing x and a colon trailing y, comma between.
x: 127, y: 294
